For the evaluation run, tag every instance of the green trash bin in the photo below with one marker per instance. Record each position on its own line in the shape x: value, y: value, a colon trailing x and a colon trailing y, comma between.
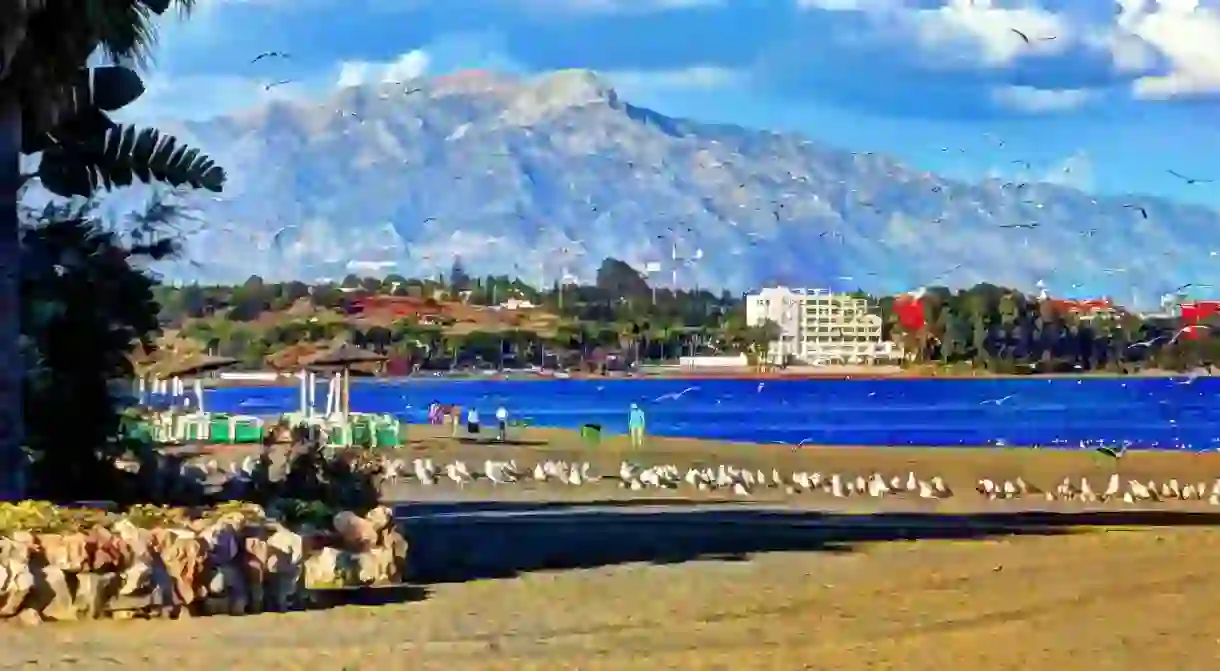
x: 337, y: 435
x: 362, y: 434
x: 248, y: 431
x: 591, y: 433
x: 219, y: 429
x: 387, y: 435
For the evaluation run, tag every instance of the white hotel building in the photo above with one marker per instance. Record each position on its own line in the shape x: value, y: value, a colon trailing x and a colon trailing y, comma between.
x: 818, y: 327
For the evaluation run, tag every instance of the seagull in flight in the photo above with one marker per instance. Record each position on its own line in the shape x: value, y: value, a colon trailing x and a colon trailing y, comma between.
x: 998, y: 401
x: 1188, y: 329
x: 673, y: 396
x: 1189, y: 180
x: 278, y: 237
x: 1029, y: 225
x: 270, y: 54
x: 1142, y: 211
x: 272, y: 85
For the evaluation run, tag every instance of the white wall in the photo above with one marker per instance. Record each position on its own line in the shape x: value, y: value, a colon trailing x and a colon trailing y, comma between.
x: 737, y: 361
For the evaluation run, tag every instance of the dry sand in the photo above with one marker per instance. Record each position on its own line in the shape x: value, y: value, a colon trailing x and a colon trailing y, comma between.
x: 739, y: 590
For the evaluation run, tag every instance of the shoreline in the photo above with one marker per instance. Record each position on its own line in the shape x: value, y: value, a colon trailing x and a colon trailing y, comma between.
x: 215, y: 383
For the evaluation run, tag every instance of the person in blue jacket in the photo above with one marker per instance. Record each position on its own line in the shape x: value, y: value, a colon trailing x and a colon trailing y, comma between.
x: 635, y: 421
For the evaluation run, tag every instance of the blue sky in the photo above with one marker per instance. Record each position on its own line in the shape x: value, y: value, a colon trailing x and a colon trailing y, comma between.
x: 1104, y: 96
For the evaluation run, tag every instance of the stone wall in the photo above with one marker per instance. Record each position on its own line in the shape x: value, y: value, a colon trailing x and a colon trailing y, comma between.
x: 75, y: 563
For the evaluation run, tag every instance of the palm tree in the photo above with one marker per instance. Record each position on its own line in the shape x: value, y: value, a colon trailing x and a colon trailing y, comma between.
x: 53, y: 105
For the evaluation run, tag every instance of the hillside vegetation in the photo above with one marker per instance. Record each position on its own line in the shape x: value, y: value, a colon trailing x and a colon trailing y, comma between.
x: 501, y: 322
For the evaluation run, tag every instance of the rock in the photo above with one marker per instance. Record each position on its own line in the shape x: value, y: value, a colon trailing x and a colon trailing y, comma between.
x: 225, y: 589
x: 232, y: 560
x: 184, y: 557
x: 285, y: 567
x: 69, y: 552
x: 16, y: 578
x: 357, y: 533
x: 376, y: 567
x: 380, y: 518
x: 322, y: 569
x: 94, y: 592
x: 332, y: 568
x: 50, y: 595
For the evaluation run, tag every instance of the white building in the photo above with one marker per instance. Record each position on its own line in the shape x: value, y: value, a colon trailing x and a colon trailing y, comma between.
x: 819, y: 327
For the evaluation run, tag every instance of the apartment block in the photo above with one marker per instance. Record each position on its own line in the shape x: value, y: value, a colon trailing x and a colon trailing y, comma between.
x: 820, y: 327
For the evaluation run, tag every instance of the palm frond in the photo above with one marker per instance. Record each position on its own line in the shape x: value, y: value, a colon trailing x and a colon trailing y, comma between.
x: 46, y: 42
x: 80, y: 165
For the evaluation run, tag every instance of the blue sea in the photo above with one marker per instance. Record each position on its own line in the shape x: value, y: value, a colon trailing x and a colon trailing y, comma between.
x: 1148, y: 413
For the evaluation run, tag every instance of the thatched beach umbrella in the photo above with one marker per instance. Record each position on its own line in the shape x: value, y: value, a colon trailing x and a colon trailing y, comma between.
x: 344, y: 357
x: 191, y: 365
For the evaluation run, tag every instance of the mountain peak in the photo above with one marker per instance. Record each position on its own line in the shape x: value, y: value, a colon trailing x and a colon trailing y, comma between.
x: 514, y: 173
x: 558, y: 91
x: 575, y: 88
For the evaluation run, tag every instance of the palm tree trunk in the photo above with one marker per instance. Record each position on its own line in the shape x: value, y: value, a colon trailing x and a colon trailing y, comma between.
x: 12, y: 368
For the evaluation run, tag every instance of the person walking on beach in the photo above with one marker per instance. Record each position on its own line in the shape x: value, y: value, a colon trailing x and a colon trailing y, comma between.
x: 455, y: 419
x: 502, y: 423
x: 635, y: 421
x: 472, y: 422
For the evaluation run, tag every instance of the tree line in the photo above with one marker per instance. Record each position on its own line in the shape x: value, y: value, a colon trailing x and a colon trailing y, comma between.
x: 618, y: 313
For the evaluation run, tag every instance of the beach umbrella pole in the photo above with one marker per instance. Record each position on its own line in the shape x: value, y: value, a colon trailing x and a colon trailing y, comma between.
x: 199, y: 396
x: 312, y: 394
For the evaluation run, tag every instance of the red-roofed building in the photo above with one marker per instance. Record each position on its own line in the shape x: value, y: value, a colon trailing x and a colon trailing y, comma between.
x: 909, y: 310
x: 1195, y: 313
x: 1085, y: 308
x: 397, y: 307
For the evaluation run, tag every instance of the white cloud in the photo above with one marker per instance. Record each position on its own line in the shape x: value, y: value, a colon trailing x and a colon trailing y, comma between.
x: 1187, y: 35
x: 991, y: 33
x: 1172, y: 46
x: 410, y: 65
x: 1030, y: 99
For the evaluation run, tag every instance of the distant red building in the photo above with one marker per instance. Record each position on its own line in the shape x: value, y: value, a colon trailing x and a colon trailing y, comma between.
x: 397, y: 307
x: 909, y: 310
x: 1195, y: 313
x: 1086, y: 308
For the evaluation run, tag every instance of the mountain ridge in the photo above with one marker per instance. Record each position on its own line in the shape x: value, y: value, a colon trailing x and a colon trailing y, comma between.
x: 535, y: 176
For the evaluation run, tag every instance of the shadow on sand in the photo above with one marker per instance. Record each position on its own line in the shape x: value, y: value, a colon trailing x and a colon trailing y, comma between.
x: 461, y: 542
x: 493, y: 442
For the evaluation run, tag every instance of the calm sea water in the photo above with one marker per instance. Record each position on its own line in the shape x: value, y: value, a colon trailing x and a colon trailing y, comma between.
x: 1151, y: 413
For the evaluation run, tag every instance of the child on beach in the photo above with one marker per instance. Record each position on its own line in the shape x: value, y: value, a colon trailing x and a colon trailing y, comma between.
x: 635, y: 421
x: 502, y: 423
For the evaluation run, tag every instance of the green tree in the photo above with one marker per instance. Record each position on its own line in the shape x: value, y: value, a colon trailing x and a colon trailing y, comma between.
x: 84, y: 304
x: 52, y: 105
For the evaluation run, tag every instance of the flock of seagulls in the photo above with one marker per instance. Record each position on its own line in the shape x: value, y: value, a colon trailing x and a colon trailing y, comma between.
x: 744, y: 482
x: 1132, y: 492
x: 726, y: 478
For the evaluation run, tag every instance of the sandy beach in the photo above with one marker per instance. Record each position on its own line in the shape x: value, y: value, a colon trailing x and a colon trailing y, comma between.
x: 596, y: 578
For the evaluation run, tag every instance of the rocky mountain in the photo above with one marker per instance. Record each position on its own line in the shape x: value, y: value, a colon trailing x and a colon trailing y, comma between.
x: 543, y: 176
